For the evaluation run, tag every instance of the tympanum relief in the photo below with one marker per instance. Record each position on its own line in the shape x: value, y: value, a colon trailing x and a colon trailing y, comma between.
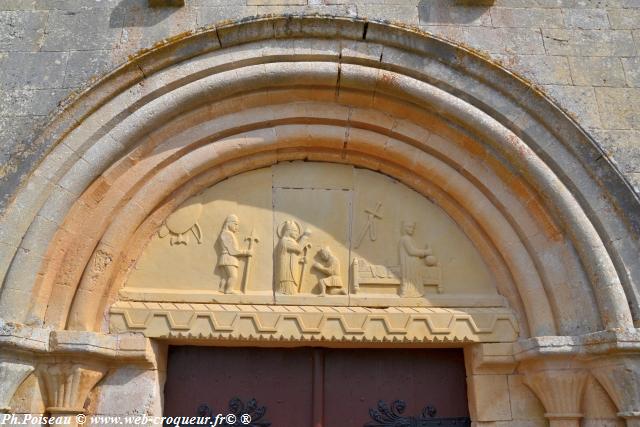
x: 312, y: 233
x: 417, y: 268
x: 230, y: 252
x: 183, y: 223
x: 290, y: 257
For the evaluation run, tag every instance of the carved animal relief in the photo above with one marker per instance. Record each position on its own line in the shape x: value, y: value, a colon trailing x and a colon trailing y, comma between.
x: 311, y: 233
x: 181, y: 224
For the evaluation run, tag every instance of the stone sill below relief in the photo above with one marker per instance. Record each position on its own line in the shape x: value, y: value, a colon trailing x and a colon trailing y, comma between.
x: 281, y: 323
x: 448, y: 300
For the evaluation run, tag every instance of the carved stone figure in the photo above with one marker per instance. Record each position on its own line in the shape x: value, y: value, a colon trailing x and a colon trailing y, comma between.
x: 332, y: 284
x: 290, y: 257
x: 411, y: 264
x: 180, y: 223
x: 229, y: 254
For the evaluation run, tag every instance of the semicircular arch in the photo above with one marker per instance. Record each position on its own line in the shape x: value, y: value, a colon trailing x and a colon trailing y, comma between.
x: 522, y: 180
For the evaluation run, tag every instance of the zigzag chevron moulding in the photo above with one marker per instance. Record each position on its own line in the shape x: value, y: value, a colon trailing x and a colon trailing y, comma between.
x: 314, y: 323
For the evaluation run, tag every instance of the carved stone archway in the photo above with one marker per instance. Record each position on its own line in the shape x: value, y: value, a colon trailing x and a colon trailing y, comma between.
x: 552, y: 218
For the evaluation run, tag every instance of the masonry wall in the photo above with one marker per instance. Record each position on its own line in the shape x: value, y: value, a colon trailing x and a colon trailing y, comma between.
x: 582, y: 53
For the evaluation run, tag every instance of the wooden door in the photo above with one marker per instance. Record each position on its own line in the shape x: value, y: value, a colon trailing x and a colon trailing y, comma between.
x: 318, y: 387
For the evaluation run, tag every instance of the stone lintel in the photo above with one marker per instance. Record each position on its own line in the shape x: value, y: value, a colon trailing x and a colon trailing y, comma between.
x: 314, y: 323
x: 490, y: 359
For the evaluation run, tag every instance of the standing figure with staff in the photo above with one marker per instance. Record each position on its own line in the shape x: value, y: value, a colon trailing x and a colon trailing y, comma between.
x: 229, y: 254
x: 290, y: 257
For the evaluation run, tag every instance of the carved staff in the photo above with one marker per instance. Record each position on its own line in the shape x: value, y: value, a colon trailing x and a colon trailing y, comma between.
x: 251, y: 238
x: 305, y: 248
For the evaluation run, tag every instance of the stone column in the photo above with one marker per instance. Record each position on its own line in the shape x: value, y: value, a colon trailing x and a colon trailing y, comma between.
x: 620, y: 377
x: 68, y: 385
x: 12, y: 374
x: 560, y: 391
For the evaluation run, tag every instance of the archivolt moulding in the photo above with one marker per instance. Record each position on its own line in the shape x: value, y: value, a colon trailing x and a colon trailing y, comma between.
x: 364, y: 93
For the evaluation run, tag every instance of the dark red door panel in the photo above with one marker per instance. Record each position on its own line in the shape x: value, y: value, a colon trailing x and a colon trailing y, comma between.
x: 355, y: 380
x: 278, y: 379
x: 315, y: 387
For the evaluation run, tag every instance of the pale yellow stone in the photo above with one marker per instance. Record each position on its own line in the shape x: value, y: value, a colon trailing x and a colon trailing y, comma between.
x: 29, y: 399
x: 489, y: 397
x: 388, y: 245
x: 325, y: 213
x: 461, y: 267
x: 190, y: 272
x: 524, y: 404
x: 312, y: 175
x: 262, y: 323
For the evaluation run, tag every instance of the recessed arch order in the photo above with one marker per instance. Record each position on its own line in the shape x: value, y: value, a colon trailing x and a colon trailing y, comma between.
x: 553, y: 219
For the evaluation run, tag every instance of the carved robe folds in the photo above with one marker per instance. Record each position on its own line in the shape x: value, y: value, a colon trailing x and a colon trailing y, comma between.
x: 287, y: 270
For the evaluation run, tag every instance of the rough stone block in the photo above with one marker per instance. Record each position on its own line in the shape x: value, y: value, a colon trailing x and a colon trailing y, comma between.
x: 83, y: 67
x: 40, y: 102
x: 28, y: 399
x: 449, y: 32
x: 579, y: 102
x: 619, y: 107
x: 489, y: 397
x: 397, y: 13
x: 441, y: 12
x: 335, y: 10
x: 634, y: 180
x: 16, y: 5
x: 32, y: 70
x: 21, y: 31
x: 597, y: 71
x: 74, y: 5
x: 129, y: 390
x: 212, y: 15
x: 529, y: 17
x: 524, y: 404
x: 523, y: 41
x: 276, y: 2
x: 632, y: 70
x: 588, y: 42
x: 586, y: 19
x: 624, y: 19
x: 623, y: 146
x: 598, y: 405
x: 143, y: 28
x: 84, y: 29
x: 521, y: 423
x: 540, y: 69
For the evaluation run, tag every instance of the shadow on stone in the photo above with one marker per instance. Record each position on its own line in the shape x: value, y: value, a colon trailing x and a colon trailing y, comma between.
x: 138, y: 13
x: 434, y: 12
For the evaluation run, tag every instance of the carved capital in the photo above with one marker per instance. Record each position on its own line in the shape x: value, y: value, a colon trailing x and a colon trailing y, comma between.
x: 620, y: 377
x: 68, y: 385
x: 12, y: 374
x: 560, y: 391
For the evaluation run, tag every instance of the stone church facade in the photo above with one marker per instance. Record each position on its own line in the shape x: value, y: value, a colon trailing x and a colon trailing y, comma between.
x: 396, y: 174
